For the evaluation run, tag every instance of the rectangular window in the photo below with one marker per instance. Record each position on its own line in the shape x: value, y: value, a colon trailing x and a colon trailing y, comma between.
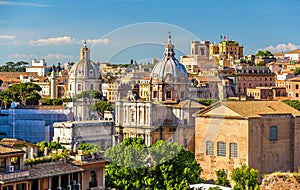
x: 155, y: 94
x: 233, y: 150
x: 209, y: 148
x: 91, y: 88
x: 273, y: 133
x: 168, y: 94
x: 221, y: 146
x: 297, y: 95
x: 132, y: 116
x: 79, y: 87
x: 297, y: 86
x: 2, y: 165
x: 185, y: 142
x: 9, y: 187
x: 21, y: 186
x: 15, y: 161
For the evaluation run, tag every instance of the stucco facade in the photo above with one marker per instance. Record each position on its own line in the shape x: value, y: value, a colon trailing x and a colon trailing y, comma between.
x: 260, y: 134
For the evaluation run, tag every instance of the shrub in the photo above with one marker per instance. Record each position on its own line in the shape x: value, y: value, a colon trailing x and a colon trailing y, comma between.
x: 222, y: 178
x: 65, y: 100
x: 245, y: 178
x: 56, y: 101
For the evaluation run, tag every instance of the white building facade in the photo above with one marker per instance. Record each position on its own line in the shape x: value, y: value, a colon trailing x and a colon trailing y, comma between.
x: 72, y: 134
x: 166, y: 114
x: 84, y: 76
x: 40, y: 68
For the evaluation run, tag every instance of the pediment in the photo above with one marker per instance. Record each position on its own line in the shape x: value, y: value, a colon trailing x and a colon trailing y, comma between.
x: 221, y: 110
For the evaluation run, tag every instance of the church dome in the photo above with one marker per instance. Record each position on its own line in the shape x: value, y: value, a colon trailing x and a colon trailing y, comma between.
x: 169, y: 69
x: 85, y: 68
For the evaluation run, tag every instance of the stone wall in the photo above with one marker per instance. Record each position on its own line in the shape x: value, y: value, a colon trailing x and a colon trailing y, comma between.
x: 227, y: 130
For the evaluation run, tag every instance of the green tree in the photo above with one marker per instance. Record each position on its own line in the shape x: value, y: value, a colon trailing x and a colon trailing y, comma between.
x: 261, y: 63
x: 33, y: 98
x: 67, y: 100
x: 260, y: 53
x: 161, y: 166
x: 222, y: 178
x: 5, y: 98
x: 46, y: 101
x: 245, y: 178
x: 264, y: 54
x: 87, y: 148
x: 101, y: 106
x: 91, y: 94
x: 173, y: 166
x: 56, y: 101
x: 297, y: 71
x: 14, y: 67
x: 293, y: 103
x: 127, y: 169
x: 207, y: 102
x: 25, y: 92
x: 50, y: 145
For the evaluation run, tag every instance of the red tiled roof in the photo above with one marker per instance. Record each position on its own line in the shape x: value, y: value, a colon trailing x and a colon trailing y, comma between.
x: 52, y: 169
x: 4, y: 150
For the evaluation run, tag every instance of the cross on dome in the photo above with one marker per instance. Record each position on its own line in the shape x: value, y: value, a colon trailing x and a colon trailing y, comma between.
x: 169, y: 38
x: 169, y: 49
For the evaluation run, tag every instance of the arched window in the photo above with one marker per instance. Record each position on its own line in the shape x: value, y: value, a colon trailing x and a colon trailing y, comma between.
x: 221, y: 149
x: 92, y: 180
x: 273, y: 133
x: 209, y: 148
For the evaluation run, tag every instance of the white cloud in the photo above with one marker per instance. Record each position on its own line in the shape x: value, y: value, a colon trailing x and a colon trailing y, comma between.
x: 21, y: 56
x: 52, y: 41
x: 7, y: 37
x: 58, y: 56
x: 23, y: 4
x: 97, y: 41
x: 282, y: 48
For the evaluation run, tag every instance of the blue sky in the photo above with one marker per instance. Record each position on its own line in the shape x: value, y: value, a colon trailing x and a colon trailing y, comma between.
x: 119, y: 30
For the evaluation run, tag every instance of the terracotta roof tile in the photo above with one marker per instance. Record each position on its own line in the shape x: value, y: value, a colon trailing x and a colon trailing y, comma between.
x: 52, y: 169
x: 208, y: 78
x: 16, y: 74
x: 4, y: 150
x: 12, y: 142
x: 252, y: 109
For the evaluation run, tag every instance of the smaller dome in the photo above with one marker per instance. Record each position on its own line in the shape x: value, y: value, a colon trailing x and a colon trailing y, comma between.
x: 85, y: 68
x: 169, y: 68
